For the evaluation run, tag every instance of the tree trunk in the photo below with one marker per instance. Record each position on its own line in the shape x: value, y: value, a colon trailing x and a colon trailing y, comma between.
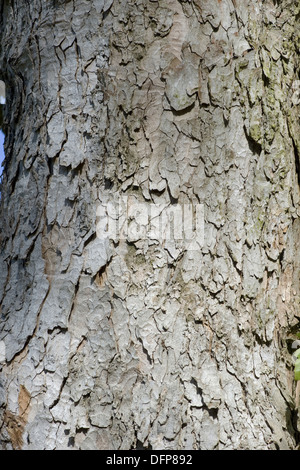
x: 142, y: 339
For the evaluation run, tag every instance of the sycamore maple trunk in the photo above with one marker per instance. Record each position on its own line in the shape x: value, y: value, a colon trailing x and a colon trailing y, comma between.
x: 138, y: 342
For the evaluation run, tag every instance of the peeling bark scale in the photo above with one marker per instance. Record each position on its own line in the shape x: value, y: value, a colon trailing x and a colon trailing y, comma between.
x: 139, y: 342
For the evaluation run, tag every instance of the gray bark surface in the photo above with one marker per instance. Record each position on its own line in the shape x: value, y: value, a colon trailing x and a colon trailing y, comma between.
x: 134, y: 343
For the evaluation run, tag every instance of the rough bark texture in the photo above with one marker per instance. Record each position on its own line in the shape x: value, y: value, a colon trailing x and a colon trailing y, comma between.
x: 134, y: 343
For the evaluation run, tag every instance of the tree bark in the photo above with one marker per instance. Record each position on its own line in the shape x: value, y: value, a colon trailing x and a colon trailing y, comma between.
x: 139, y: 342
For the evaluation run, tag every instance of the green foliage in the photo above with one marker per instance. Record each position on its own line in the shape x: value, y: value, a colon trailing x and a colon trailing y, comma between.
x: 296, y: 354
